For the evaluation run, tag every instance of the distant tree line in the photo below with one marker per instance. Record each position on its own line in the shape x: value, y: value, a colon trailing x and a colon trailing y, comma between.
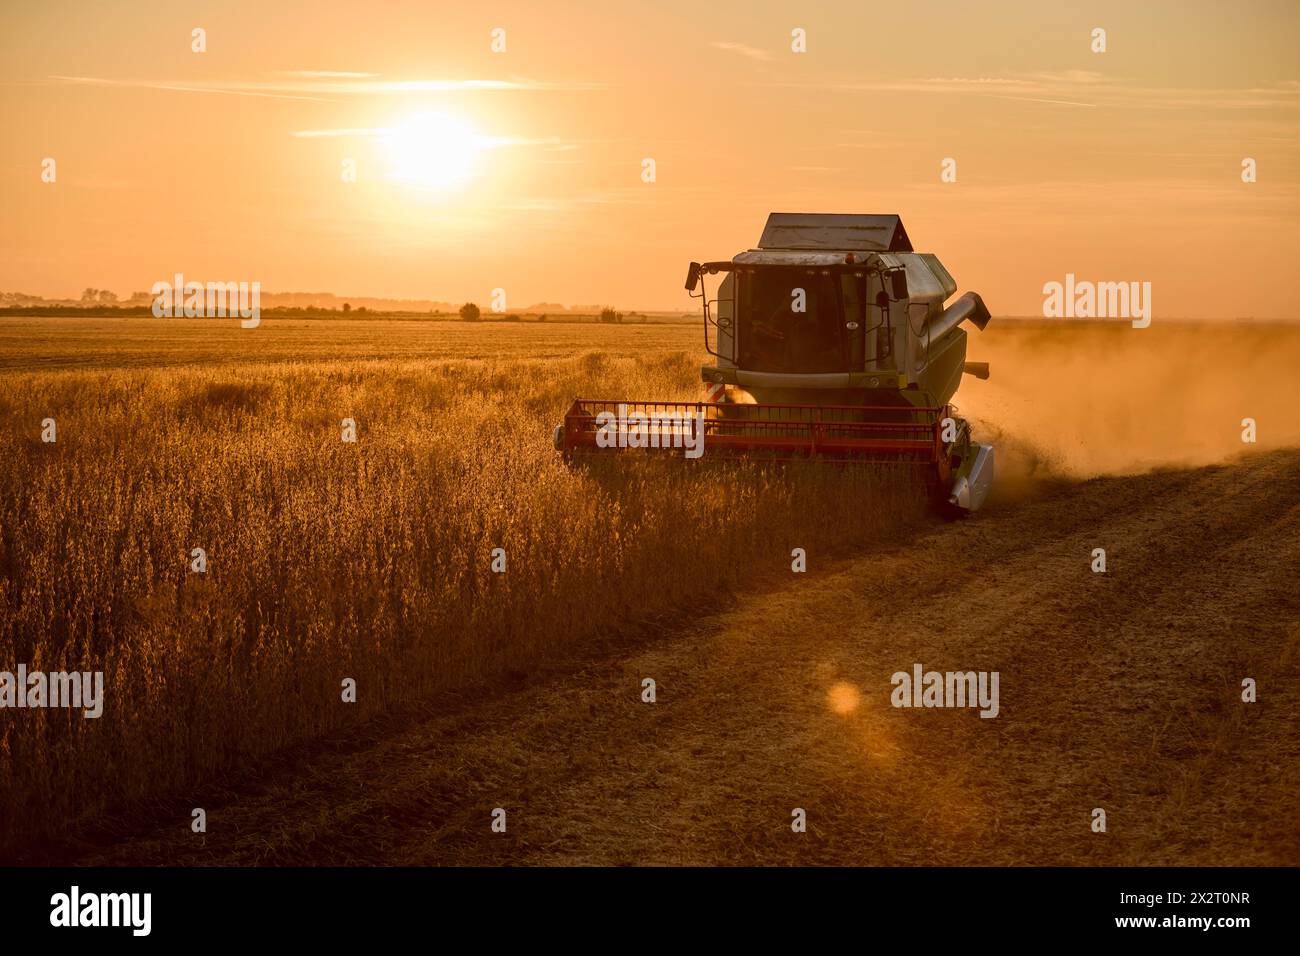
x: 102, y: 303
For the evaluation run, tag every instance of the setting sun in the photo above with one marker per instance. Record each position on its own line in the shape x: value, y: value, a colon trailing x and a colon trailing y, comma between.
x: 433, y: 150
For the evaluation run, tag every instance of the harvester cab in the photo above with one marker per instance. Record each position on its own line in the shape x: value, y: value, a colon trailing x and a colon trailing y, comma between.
x: 830, y: 341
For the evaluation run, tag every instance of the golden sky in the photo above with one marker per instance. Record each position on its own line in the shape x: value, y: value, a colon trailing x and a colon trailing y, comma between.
x: 522, y: 169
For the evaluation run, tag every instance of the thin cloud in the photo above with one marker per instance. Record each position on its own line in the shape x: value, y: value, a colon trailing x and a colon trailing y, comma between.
x: 353, y: 131
x: 563, y: 204
x: 731, y: 47
x: 325, y: 74
x: 379, y: 87
x: 323, y: 85
x: 549, y: 143
x: 181, y: 87
x: 1040, y: 99
x: 1081, y: 88
x: 1072, y: 76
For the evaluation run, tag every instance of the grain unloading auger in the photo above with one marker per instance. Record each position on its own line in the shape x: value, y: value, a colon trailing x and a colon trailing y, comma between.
x: 831, y: 342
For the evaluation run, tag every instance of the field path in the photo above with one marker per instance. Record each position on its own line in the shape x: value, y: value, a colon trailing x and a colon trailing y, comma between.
x: 1119, y: 690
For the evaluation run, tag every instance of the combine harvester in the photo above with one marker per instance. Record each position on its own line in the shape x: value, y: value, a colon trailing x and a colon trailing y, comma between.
x: 832, y: 343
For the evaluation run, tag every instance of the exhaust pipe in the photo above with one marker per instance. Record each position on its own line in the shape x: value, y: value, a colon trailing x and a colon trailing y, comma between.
x: 969, y: 306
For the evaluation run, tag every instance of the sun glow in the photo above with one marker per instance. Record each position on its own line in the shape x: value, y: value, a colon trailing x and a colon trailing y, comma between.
x: 433, y: 151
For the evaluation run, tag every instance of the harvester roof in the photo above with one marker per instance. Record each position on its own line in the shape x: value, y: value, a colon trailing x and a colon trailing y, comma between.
x: 834, y: 232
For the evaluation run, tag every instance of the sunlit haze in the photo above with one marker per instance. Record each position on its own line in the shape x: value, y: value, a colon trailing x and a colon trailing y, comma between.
x: 523, y: 169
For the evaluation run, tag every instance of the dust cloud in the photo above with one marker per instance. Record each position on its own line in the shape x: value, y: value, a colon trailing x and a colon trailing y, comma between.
x: 1072, y: 399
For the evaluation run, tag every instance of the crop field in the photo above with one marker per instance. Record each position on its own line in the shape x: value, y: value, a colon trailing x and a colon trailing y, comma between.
x: 329, y: 561
x: 37, y: 343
